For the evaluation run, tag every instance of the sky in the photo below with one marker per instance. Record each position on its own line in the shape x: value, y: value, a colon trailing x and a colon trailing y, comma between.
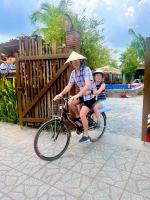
x: 118, y: 17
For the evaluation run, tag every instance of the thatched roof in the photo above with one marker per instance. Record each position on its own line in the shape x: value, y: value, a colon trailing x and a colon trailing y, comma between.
x: 112, y: 70
x: 9, y: 48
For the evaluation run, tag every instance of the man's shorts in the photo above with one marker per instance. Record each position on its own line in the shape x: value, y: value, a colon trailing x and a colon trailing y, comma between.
x: 88, y: 103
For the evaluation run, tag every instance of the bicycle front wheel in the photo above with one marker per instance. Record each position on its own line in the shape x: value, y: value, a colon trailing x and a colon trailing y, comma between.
x: 51, y: 140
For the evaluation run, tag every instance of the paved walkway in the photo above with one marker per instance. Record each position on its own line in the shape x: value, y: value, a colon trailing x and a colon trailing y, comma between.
x: 126, y: 116
x: 115, y: 168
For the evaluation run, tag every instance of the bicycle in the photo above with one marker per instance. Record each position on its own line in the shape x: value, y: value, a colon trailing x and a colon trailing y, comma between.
x: 53, y: 137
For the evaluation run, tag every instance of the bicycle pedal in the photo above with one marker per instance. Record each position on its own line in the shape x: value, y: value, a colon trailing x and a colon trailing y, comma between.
x: 79, y: 130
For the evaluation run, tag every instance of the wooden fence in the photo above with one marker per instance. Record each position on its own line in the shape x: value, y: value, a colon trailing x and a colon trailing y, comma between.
x: 40, y: 74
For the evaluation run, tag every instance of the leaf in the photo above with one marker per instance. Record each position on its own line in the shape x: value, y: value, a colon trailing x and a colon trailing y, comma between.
x: 8, y: 102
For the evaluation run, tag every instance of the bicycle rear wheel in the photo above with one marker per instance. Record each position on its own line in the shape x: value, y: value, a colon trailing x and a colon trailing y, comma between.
x: 96, y: 133
x: 51, y: 140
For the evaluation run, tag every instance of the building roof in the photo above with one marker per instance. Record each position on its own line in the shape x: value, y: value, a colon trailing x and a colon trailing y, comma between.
x: 109, y: 69
x: 9, y: 48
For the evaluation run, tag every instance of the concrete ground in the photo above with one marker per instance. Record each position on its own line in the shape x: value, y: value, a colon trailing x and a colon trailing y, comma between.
x: 117, y: 167
x: 125, y: 117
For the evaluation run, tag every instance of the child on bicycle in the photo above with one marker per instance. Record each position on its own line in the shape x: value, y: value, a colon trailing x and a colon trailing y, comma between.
x: 99, y: 93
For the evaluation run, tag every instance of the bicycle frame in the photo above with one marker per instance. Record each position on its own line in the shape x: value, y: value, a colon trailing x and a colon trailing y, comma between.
x: 65, y: 114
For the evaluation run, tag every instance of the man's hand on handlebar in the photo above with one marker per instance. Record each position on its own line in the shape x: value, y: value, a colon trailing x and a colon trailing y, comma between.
x: 57, y: 97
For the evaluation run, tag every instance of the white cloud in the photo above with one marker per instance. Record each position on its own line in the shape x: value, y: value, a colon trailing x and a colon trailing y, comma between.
x: 124, y: 7
x: 89, y: 5
x: 108, y: 2
x: 130, y: 11
x: 92, y: 4
x: 143, y: 2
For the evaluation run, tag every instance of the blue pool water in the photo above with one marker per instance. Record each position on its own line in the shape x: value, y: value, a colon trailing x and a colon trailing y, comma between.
x: 118, y: 86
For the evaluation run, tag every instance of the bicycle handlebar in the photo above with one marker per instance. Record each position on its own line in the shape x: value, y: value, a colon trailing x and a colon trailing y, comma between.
x: 64, y: 98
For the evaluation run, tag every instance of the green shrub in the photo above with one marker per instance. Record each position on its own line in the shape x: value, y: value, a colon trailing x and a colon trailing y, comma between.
x: 8, y: 102
x: 141, y: 92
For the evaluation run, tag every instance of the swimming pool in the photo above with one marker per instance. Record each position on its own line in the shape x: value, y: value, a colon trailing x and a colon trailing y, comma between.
x: 116, y: 90
x: 118, y: 86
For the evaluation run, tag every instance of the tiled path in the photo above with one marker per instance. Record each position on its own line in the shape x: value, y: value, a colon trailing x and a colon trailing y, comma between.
x: 115, y: 168
x: 126, y: 116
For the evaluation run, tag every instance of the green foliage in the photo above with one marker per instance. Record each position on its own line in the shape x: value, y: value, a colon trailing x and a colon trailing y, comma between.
x: 8, y: 102
x: 113, y: 63
x: 141, y: 77
x: 139, y: 44
x: 92, y: 43
x: 130, y: 63
x: 52, y: 20
x: 134, y: 55
x: 141, y: 92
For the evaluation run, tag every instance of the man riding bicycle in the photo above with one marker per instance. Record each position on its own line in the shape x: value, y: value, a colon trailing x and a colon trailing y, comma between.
x: 82, y: 76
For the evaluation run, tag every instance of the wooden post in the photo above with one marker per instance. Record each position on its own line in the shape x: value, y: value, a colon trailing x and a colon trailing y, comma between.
x: 19, y: 89
x: 73, y: 43
x: 73, y: 40
x: 54, y: 48
x: 146, y: 100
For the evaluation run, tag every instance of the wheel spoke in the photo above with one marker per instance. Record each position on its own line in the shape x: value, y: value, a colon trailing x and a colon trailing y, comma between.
x: 51, y: 140
x: 96, y: 133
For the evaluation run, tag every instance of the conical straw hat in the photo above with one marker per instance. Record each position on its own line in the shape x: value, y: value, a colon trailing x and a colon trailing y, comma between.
x: 75, y: 56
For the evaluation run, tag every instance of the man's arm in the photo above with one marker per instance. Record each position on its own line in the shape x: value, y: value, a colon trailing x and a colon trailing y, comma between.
x: 65, y: 90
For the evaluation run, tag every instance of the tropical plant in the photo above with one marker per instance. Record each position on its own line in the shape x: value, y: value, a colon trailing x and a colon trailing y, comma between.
x: 134, y: 55
x: 130, y: 63
x: 50, y: 20
x: 8, y: 102
x: 139, y: 44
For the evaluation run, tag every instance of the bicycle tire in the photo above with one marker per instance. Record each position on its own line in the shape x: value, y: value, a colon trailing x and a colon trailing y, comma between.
x: 101, y: 132
x: 36, y: 140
